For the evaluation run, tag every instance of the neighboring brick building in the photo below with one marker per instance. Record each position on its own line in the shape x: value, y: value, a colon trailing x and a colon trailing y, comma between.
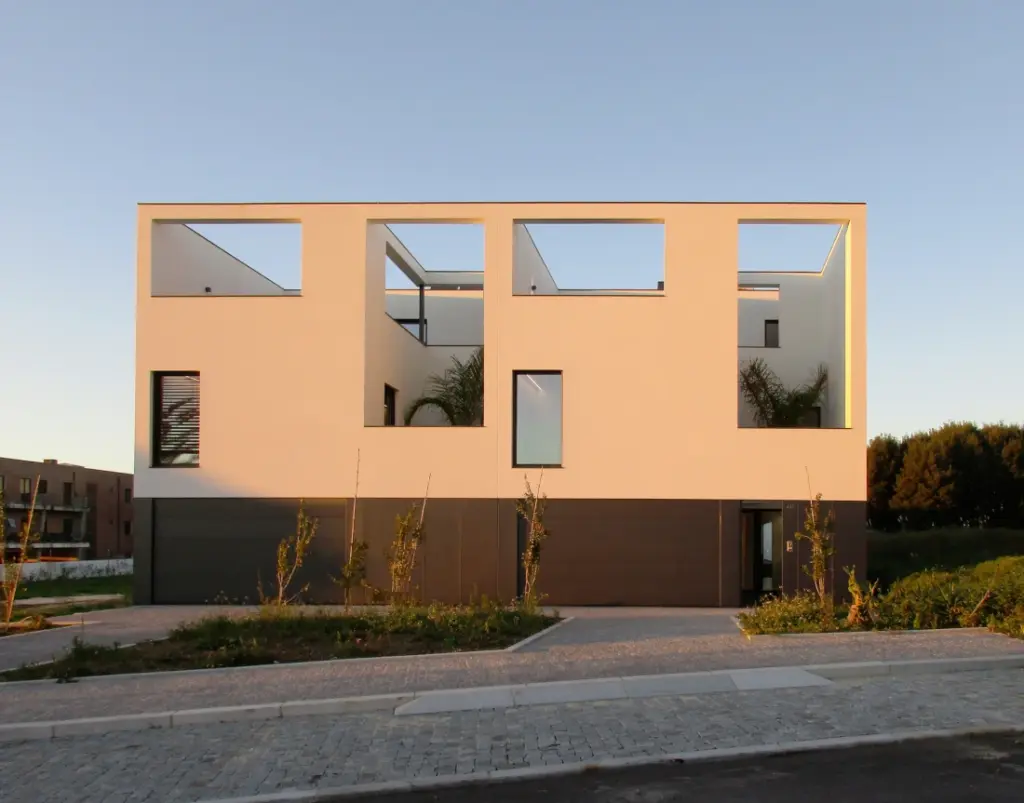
x: 80, y: 512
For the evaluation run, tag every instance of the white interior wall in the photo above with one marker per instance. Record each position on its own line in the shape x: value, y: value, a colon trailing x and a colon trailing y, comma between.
x: 454, y: 317
x: 812, y: 330
x: 185, y: 263
x: 406, y: 365
x: 835, y: 330
x: 528, y: 266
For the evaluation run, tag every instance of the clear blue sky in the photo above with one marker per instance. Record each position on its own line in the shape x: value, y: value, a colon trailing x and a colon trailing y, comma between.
x: 914, y: 106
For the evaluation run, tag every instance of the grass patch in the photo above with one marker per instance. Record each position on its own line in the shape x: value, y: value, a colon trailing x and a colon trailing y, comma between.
x: 287, y: 635
x: 990, y: 594
x: 892, y: 556
x: 73, y: 586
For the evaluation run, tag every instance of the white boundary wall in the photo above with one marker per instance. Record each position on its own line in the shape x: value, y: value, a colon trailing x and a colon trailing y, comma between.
x: 76, y: 568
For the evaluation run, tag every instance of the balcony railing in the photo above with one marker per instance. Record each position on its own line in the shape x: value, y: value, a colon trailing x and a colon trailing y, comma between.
x: 55, y: 502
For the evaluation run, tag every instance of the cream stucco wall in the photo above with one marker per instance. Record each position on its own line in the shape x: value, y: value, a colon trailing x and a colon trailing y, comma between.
x: 649, y: 395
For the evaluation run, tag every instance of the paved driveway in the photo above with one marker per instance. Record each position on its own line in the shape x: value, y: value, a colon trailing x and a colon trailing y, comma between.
x: 618, y: 626
x: 598, y: 643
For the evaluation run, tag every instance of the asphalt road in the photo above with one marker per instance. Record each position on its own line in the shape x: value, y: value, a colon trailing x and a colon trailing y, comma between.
x: 987, y: 769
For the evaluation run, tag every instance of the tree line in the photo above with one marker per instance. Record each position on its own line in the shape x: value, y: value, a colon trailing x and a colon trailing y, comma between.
x: 958, y: 475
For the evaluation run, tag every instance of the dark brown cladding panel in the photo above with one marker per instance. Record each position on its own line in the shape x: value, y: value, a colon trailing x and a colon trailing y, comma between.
x: 601, y: 552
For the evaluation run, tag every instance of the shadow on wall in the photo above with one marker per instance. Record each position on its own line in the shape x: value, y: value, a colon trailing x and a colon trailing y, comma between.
x: 215, y: 548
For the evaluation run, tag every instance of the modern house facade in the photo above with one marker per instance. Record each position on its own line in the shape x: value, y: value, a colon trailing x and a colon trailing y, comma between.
x: 79, y: 512
x: 662, y: 490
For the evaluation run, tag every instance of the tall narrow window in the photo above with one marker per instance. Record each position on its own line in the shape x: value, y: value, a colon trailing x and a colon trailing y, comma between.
x: 771, y: 334
x: 537, y: 418
x: 127, y: 496
x: 389, y: 405
x: 68, y: 492
x: 176, y: 419
x: 44, y: 486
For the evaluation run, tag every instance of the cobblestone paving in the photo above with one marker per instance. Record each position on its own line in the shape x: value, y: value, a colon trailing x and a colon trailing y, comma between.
x: 236, y: 759
x: 598, y: 644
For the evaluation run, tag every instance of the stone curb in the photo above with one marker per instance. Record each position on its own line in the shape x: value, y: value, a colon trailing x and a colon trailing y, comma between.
x: 870, y: 669
x: 256, y: 667
x: 578, y: 768
x: 28, y: 731
x: 547, y: 631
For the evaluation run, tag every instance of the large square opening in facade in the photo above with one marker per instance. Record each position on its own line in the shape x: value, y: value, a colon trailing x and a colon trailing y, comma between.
x: 792, y: 318
x: 582, y: 258
x: 425, y: 339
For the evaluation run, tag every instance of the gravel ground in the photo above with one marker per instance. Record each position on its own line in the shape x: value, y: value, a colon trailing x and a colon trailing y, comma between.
x: 246, y: 758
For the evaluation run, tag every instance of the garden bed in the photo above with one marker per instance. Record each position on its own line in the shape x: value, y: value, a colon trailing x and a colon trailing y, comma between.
x: 990, y: 595
x: 288, y: 635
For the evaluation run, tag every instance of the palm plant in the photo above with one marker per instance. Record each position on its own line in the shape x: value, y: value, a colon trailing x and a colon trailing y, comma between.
x: 458, y: 393
x: 774, y: 404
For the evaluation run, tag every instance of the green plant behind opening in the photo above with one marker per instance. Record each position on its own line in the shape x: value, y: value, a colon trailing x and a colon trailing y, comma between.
x: 773, y: 403
x: 458, y: 393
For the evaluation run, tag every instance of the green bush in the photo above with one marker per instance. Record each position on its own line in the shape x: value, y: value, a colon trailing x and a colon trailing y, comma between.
x: 984, y: 594
x: 799, y: 613
x: 1012, y: 625
x: 991, y: 593
x: 926, y: 601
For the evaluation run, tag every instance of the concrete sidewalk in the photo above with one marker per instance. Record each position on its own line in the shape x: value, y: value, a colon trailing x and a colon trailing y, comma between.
x: 302, y: 753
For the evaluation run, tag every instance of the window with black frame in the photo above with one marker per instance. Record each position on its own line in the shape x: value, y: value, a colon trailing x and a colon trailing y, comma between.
x: 537, y: 419
x: 176, y: 419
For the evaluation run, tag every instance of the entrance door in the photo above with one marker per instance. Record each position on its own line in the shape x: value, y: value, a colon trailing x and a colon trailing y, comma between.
x: 761, y: 553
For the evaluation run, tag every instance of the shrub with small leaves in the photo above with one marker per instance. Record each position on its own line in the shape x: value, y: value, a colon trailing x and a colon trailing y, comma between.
x: 797, y: 613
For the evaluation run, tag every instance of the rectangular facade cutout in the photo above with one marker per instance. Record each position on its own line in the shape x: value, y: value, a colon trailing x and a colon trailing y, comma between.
x: 428, y: 272
x: 226, y: 259
x: 792, y: 276
x: 589, y: 258
x: 537, y: 419
x: 175, y: 419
